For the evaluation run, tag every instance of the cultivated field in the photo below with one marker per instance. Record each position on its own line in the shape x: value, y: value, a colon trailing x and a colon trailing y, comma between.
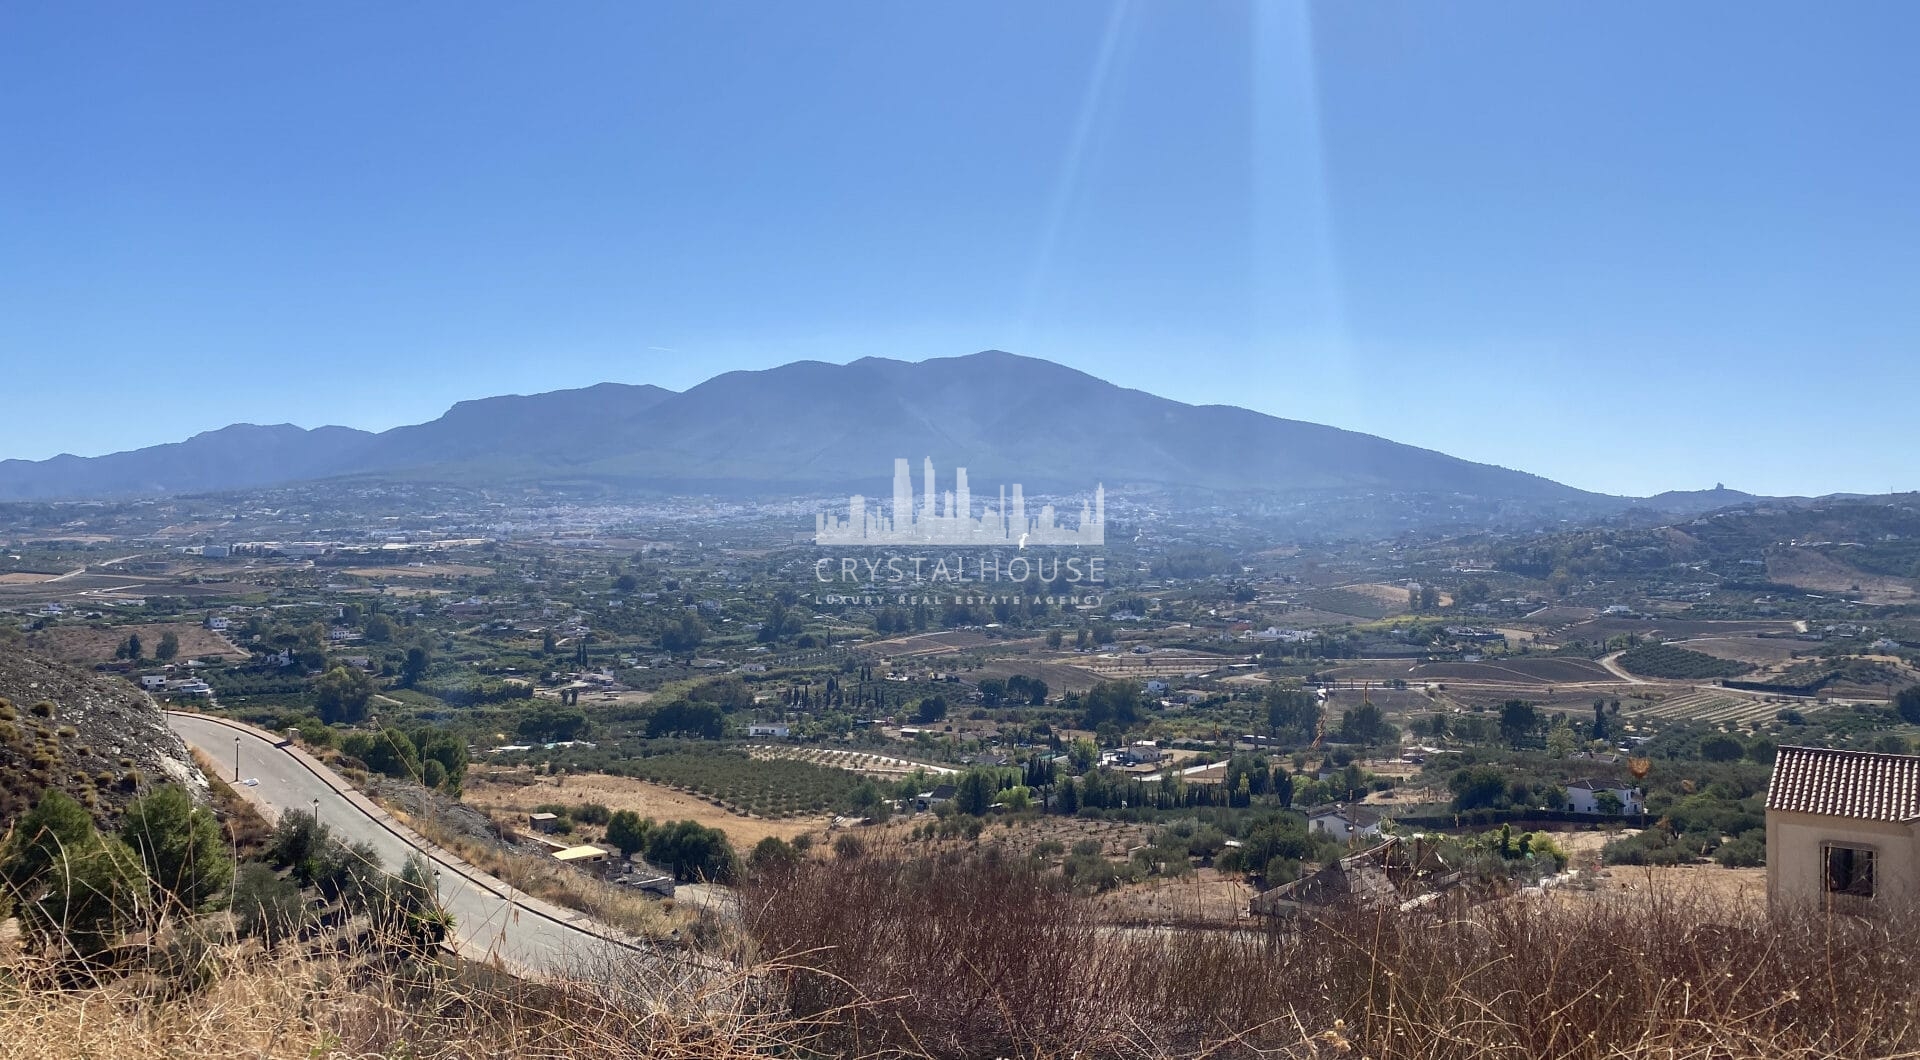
x: 1159, y: 664
x: 1709, y: 705
x: 1751, y: 650
x: 865, y: 763
x: 927, y: 644
x: 1059, y: 672
x: 1516, y: 670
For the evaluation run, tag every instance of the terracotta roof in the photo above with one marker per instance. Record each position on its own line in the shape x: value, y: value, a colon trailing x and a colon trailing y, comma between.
x: 1862, y: 784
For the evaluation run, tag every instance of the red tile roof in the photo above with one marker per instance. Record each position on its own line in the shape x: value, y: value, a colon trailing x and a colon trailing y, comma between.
x: 1861, y: 784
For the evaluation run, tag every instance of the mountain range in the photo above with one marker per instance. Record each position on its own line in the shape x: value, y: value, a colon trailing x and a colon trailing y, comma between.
x: 813, y: 426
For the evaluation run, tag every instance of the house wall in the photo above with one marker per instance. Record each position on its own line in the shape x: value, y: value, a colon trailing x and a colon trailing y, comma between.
x: 1332, y: 826
x: 1796, y: 872
x: 1580, y: 800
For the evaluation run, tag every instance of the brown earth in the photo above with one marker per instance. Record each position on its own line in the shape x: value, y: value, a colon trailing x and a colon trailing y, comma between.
x: 1819, y: 572
x: 91, y: 645
x: 518, y: 791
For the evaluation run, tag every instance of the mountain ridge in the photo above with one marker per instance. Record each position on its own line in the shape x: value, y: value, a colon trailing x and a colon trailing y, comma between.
x: 812, y: 425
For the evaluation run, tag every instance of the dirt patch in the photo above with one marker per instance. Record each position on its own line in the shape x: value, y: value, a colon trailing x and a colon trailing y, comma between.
x: 24, y: 578
x: 1516, y: 671
x: 1751, y: 650
x: 91, y: 645
x: 518, y: 791
x: 426, y: 570
x: 1819, y: 572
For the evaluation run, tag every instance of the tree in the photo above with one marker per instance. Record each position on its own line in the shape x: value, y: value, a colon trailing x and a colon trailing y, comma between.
x: 415, y: 667
x: 1110, y: 701
x: 1477, y: 787
x: 692, y: 852
x: 169, y: 646
x: 412, y: 908
x: 449, y: 752
x: 1293, y: 713
x: 848, y: 847
x: 1907, y: 704
x: 379, y: 629
x: 687, y: 718
x: 1364, y: 724
x: 180, y: 846
x: 930, y: 709
x: 1608, y: 803
x: 393, y: 754
x: 266, y: 906
x: 130, y: 648
x: 1560, y: 741
x: 74, y: 885
x: 772, y: 854
x: 628, y: 831
x: 1722, y: 749
x: 974, y: 794
x: 341, y: 695
x: 1518, y: 720
x: 1055, y: 639
x: 685, y: 635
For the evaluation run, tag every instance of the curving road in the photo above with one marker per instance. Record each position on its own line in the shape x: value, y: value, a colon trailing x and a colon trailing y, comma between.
x: 492, y: 920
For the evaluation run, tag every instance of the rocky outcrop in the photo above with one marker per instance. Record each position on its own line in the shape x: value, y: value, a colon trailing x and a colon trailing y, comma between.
x: 97, y: 738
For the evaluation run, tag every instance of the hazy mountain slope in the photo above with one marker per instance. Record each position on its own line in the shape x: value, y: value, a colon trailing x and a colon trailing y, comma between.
x: 555, y: 424
x: 813, y: 425
x: 230, y: 458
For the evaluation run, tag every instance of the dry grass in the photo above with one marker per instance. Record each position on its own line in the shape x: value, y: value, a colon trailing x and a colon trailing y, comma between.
x: 569, y: 888
x: 972, y: 957
x: 519, y: 791
x: 307, y: 1007
x: 84, y: 644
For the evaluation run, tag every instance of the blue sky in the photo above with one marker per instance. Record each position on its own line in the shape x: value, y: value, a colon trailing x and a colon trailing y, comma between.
x: 1632, y: 247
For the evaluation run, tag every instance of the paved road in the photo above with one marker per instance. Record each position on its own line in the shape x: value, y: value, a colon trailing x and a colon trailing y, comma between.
x: 486, y: 920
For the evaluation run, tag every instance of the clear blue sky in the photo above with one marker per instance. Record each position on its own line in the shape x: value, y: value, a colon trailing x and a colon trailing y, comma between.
x: 1629, y: 246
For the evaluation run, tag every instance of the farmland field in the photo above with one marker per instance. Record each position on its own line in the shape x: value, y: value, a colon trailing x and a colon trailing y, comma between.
x: 1678, y: 664
x: 764, y: 788
x: 519, y: 791
x: 425, y: 570
x: 1358, y: 601
x: 1521, y: 670
x: 865, y: 763
x: 1709, y: 705
x: 1751, y: 650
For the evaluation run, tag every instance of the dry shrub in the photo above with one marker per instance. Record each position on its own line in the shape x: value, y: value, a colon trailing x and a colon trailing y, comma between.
x: 965, y: 956
x: 319, y: 1006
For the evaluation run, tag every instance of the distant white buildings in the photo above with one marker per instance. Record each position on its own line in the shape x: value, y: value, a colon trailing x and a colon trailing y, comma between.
x: 777, y: 731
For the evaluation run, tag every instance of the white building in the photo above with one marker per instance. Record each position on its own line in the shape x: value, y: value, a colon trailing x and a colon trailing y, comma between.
x: 1344, y: 822
x: 779, y: 731
x: 1583, y: 796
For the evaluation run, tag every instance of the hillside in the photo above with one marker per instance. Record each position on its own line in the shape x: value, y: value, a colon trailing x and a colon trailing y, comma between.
x: 98, y: 739
x: 815, y: 426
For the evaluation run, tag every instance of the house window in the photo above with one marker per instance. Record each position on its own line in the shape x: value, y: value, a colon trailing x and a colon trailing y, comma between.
x: 1849, y: 870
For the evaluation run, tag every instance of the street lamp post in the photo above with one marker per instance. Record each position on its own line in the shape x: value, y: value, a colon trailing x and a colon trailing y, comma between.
x: 316, y: 815
x: 236, y: 760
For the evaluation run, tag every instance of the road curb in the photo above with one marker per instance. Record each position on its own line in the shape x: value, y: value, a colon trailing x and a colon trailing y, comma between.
x: 433, y: 852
